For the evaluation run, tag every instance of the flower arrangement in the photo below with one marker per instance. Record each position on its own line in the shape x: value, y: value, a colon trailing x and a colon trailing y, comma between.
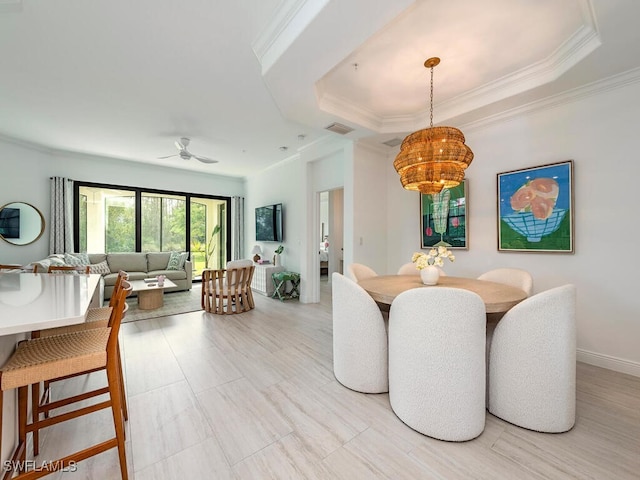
x: 279, y: 250
x: 435, y: 257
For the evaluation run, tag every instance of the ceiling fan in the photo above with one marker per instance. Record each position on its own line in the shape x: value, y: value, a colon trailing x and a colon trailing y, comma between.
x: 185, y: 154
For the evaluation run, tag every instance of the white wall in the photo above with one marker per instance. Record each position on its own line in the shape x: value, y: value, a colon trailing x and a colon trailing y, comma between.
x: 370, y: 210
x: 599, y: 133
x: 279, y: 184
x: 26, y: 173
x: 296, y: 184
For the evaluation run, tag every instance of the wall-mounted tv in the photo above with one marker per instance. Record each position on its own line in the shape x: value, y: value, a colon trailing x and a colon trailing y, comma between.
x: 269, y: 223
x: 10, y: 222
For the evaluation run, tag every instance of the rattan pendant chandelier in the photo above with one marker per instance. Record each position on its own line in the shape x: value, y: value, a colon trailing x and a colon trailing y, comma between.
x: 433, y: 158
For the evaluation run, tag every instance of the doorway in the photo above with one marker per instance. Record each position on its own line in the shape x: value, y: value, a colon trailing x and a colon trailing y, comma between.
x: 331, y: 233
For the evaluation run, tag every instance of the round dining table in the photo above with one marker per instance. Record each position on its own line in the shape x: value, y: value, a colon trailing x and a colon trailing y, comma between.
x: 497, y: 297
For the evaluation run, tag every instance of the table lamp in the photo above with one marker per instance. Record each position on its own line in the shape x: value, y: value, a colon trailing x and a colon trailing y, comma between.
x: 257, y: 251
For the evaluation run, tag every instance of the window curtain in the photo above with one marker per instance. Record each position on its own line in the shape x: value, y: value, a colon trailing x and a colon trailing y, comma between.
x: 237, y: 228
x: 61, y: 228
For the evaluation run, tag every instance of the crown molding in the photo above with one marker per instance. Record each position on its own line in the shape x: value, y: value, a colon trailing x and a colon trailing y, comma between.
x: 596, y: 88
x: 583, y: 42
x: 26, y: 144
x: 578, y: 46
x: 367, y: 119
x: 289, y: 21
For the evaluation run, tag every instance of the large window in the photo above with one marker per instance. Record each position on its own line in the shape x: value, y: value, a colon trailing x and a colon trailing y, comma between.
x: 105, y: 220
x: 163, y: 222
x: 125, y: 219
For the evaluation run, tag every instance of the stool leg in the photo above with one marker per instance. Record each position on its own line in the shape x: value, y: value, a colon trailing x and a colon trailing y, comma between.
x: 115, y: 395
x: 35, y: 416
x: 125, y: 411
x: 23, y: 397
x: 1, y: 415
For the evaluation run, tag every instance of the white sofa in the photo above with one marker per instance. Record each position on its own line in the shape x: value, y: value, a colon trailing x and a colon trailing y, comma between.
x: 139, y: 265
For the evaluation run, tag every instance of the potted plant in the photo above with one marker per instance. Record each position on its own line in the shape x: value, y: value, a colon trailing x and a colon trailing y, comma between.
x: 276, y: 256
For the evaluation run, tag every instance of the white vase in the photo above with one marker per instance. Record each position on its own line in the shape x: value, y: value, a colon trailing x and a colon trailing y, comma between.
x: 430, y: 275
x: 276, y: 259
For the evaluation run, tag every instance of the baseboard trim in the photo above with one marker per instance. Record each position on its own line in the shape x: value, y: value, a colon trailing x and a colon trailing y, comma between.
x: 607, y: 361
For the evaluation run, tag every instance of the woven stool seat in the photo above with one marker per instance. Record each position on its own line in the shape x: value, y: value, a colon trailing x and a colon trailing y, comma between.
x: 98, y: 318
x: 100, y: 313
x: 56, y: 356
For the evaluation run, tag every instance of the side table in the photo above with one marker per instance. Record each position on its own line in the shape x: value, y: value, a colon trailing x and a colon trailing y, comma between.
x: 262, y: 281
x: 280, y: 280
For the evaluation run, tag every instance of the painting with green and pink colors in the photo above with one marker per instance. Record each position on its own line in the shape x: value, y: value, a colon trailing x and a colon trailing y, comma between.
x: 443, y: 218
x: 535, y: 209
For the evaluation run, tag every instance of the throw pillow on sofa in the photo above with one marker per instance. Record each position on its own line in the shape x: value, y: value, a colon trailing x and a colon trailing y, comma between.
x: 76, y: 259
x: 102, y: 268
x: 176, y: 260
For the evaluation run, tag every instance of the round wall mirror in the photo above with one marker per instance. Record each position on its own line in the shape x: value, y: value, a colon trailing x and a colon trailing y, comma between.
x: 20, y: 223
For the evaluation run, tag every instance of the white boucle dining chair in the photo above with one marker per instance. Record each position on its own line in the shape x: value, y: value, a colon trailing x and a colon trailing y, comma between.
x: 515, y: 277
x: 532, y: 362
x: 358, y: 271
x: 360, y: 360
x: 437, y: 362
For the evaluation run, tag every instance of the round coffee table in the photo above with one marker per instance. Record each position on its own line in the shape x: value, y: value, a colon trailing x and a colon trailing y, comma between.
x: 150, y: 294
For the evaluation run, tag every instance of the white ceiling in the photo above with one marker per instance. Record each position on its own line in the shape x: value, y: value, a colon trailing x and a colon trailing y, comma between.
x: 243, y: 78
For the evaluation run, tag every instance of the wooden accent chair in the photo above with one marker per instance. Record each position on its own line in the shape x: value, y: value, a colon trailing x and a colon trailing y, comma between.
x: 63, y: 356
x: 227, y: 291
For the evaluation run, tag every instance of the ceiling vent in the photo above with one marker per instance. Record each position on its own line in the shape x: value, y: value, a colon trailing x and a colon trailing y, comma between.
x: 339, y: 128
x: 394, y: 142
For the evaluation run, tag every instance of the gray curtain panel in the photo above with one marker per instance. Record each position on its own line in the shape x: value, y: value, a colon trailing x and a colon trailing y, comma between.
x: 61, y: 222
x: 237, y: 228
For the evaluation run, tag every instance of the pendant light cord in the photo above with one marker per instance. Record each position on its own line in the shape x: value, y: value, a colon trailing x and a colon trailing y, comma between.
x: 431, y: 102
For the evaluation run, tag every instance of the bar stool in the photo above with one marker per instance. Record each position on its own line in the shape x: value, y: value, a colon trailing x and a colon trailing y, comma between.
x: 64, y: 356
x: 96, y: 318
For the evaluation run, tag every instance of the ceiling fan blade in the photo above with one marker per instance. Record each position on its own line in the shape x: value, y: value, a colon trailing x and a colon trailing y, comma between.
x: 205, y: 159
x: 168, y: 156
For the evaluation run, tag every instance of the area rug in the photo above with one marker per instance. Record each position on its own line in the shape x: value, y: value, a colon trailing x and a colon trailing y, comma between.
x: 174, y: 303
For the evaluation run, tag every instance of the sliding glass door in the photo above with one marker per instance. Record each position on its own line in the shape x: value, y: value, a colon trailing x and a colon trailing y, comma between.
x: 208, y: 233
x: 163, y: 222
x: 107, y: 220
x: 127, y: 219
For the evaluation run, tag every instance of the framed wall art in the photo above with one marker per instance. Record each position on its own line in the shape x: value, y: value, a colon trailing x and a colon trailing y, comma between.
x: 443, y: 218
x: 535, y: 209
